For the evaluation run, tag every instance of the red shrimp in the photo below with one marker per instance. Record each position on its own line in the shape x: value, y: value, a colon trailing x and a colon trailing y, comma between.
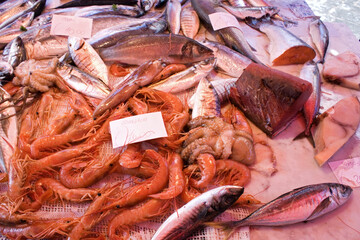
x: 168, y: 71
x: 229, y: 172
x: 60, y: 124
x: 16, y: 175
x: 25, y: 134
x: 118, y: 71
x: 233, y: 115
x: 207, y: 165
x: 116, y: 197
x: 60, y: 191
x: 80, y: 174
x: 148, y: 210
x: 131, y: 157
x: 11, y: 88
x: 189, y: 192
x: 176, y: 179
x: 137, y: 106
x: 145, y: 170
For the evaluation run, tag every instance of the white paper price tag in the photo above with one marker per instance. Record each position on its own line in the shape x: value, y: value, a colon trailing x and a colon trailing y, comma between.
x: 347, y: 171
x: 71, y: 26
x: 137, y: 129
x: 220, y: 20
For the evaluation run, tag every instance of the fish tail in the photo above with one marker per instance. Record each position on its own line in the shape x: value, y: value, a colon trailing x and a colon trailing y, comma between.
x: 253, y: 22
x: 228, y: 227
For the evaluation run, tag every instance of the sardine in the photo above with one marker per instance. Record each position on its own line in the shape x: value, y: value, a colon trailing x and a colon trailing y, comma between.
x: 146, y: 5
x: 17, y: 52
x: 310, y: 72
x: 14, y: 13
x: 6, y: 72
x: 228, y: 60
x: 87, y: 59
x: 173, y: 10
x: 189, y: 22
x: 320, y: 37
x: 82, y: 82
x: 142, y: 76
x: 122, y: 10
x: 233, y: 37
x: 186, y: 79
x: 284, y: 48
x: 110, y: 36
x: 136, y: 50
x: 299, y: 205
x: 8, y: 129
x: 81, y: 3
x: 201, y: 209
x: 205, y: 101
x: 22, y: 22
x: 255, y: 12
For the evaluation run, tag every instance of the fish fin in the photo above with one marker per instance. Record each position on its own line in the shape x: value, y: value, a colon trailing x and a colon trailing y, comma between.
x: 227, y: 227
x: 309, y: 137
x: 323, y: 205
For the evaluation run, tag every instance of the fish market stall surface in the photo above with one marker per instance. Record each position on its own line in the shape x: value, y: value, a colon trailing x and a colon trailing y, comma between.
x: 295, y: 164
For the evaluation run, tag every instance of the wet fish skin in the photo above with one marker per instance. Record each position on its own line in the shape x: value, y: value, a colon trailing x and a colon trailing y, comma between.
x: 122, y: 10
x: 256, y: 12
x: 17, y: 52
x: 189, y: 22
x: 311, y: 73
x: 173, y: 10
x: 172, y: 48
x: 82, y: 82
x: 160, y: 3
x: 199, y: 210
x: 320, y: 37
x: 80, y: 3
x: 6, y: 72
x: 301, y: 204
x: 23, y: 21
x: 110, y: 36
x: 146, y: 5
x: 87, y: 59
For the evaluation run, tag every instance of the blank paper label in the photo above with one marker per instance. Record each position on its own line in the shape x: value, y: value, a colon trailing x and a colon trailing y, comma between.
x: 71, y: 26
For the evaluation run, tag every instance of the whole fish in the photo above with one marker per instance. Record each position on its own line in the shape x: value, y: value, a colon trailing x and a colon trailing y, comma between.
x: 17, y: 52
x: 284, y: 48
x: 205, y: 101
x: 256, y: 12
x: 8, y: 129
x: 173, y: 10
x: 15, y: 12
x: 110, y: 36
x: 228, y: 60
x: 87, y: 59
x: 186, y: 79
x: 146, y: 5
x: 201, y: 209
x: 233, y: 37
x: 6, y: 72
x: 22, y: 22
x: 82, y: 82
x: 81, y: 3
x: 123, y: 10
x: 320, y: 37
x: 136, y: 50
x: 310, y: 72
x: 142, y: 76
x: 189, y: 21
x: 9, y: 4
x: 299, y: 205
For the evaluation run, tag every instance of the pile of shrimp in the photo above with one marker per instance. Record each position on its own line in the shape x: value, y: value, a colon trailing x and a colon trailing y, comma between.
x: 61, y: 155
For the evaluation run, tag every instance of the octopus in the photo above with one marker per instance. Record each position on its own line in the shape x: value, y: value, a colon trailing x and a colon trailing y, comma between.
x: 38, y: 75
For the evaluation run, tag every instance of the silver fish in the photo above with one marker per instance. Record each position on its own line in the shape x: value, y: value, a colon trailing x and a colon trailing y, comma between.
x: 87, y: 59
x: 123, y: 10
x: 299, y: 205
x: 199, y: 210
x: 82, y: 82
x: 17, y: 52
x: 8, y: 129
x: 310, y: 72
x: 320, y: 37
x: 256, y: 12
x: 205, y: 101
x: 146, y: 5
x: 23, y: 21
x: 228, y: 60
x: 6, y: 72
x: 223, y: 86
x: 186, y: 79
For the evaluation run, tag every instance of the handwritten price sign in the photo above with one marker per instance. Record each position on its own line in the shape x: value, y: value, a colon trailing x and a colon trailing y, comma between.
x: 71, y: 26
x: 347, y: 171
x: 137, y: 129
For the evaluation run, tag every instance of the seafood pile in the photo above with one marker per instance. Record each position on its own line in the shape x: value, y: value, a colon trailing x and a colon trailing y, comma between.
x: 59, y: 95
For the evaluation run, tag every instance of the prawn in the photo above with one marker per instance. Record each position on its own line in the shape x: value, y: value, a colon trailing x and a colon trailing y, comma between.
x: 229, y: 172
x: 80, y: 174
x: 176, y: 179
x: 131, y: 157
x: 169, y: 70
x: 189, y: 192
x: 148, y: 210
x: 207, y: 165
x: 116, y: 197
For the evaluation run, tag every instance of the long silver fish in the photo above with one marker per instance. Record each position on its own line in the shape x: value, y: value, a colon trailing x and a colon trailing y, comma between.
x: 110, y: 36
x: 228, y: 60
x: 123, y: 10
x: 82, y: 82
x: 186, y: 79
x: 136, y: 50
x: 205, y: 101
x: 87, y: 59
x: 23, y: 21
x: 320, y: 37
x: 299, y: 205
x: 8, y: 129
x: 310, y: 72
x: 199, y: 210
